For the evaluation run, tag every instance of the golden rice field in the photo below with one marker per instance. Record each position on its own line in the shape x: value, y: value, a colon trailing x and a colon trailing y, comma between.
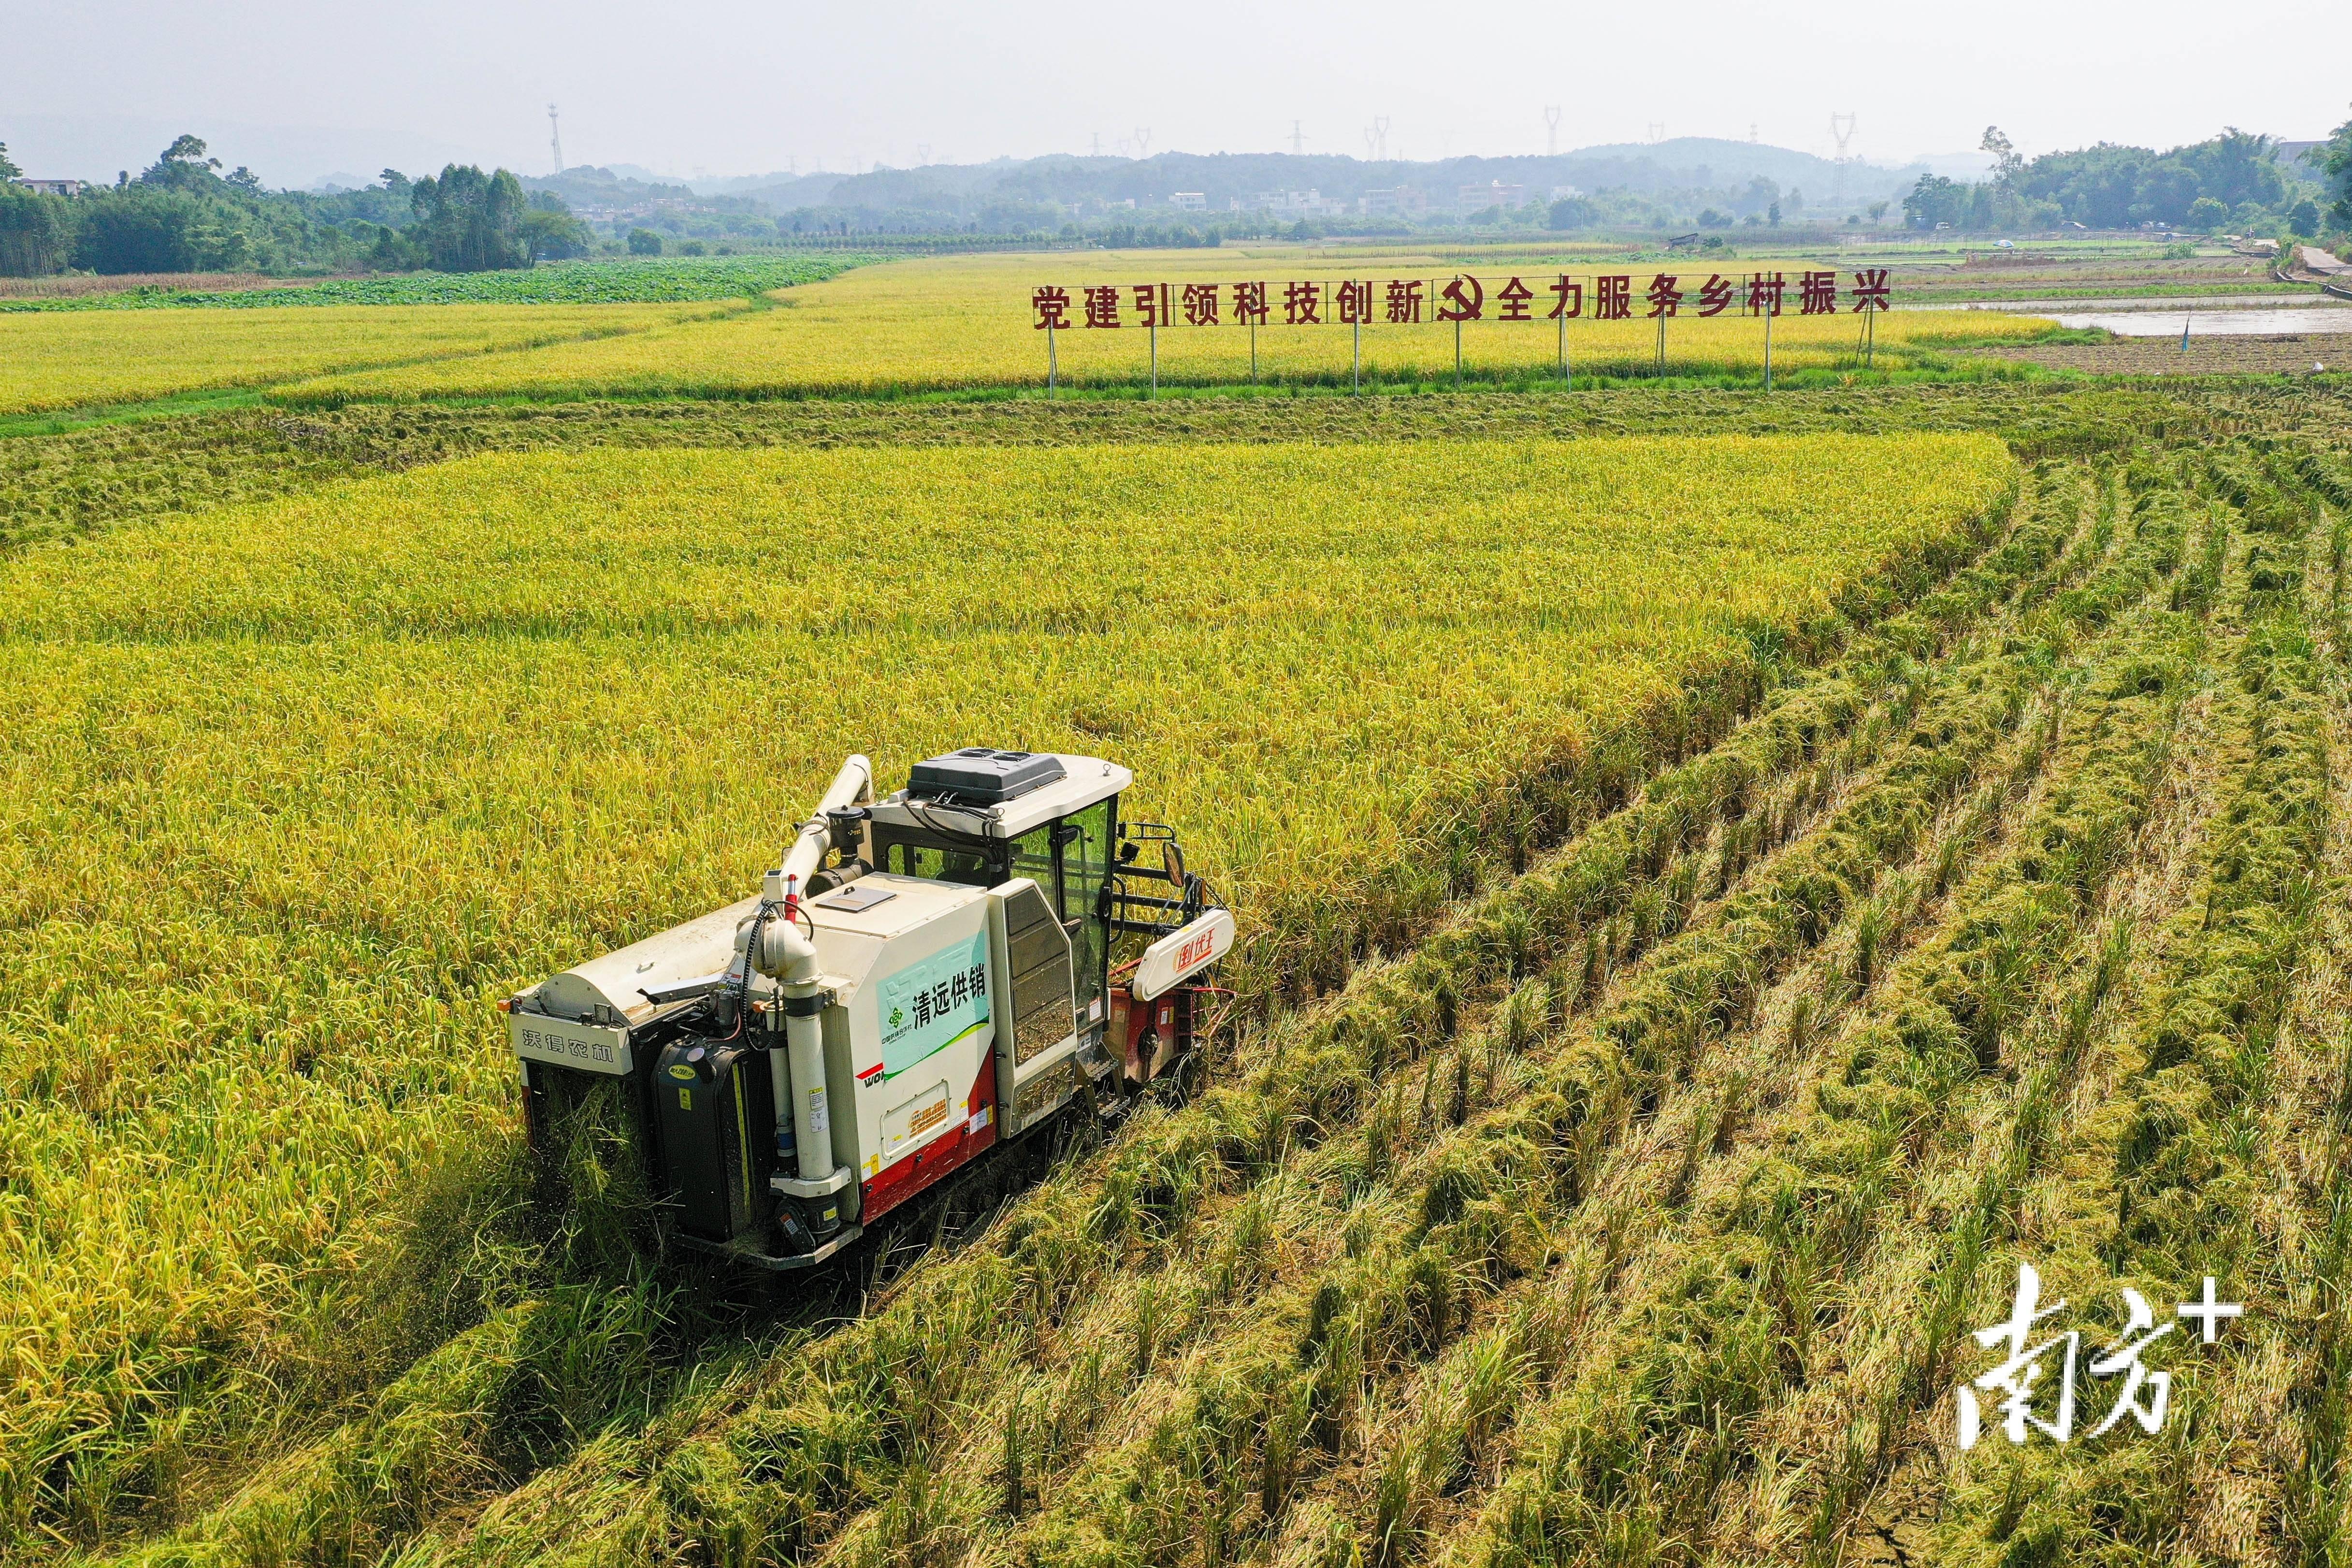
x: 965, y: 321
x: 293, y: 791
x: 75, y: 358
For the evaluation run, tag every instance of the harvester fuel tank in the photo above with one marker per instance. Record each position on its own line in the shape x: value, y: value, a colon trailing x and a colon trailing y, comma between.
x: 716, y: 1122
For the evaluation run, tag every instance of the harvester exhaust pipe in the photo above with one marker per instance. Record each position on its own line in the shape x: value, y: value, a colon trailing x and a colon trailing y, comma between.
x: 785, y: 955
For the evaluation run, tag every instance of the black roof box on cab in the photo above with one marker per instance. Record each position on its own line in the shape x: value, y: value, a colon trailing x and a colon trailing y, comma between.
x: 980, y: 776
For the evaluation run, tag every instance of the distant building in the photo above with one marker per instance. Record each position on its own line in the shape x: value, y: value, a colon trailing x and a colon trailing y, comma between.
x: 55, y: 187
x: 1492, y: 194
x: 1190, y: 200
x: 1398, y: 199
x: 1290, y: 203
x: 1566, y: 193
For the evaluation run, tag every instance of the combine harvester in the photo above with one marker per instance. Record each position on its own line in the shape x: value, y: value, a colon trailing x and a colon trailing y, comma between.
x: 925, y: 983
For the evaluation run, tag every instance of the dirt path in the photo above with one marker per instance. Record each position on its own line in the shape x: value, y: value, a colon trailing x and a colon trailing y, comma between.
x: 2206, y: 356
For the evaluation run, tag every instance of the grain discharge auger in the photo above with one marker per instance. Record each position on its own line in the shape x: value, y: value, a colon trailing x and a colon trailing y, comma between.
x: 923, y: 983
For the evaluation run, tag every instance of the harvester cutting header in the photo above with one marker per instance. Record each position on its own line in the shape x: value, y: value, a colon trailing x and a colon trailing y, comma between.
x: 923, y: 980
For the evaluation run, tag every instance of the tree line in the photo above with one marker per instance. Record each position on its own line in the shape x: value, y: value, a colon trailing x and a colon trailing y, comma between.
x: 2235, y: 179
x: 182, y: 215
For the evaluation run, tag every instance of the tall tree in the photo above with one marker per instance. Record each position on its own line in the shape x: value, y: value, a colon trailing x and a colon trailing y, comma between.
x: 2005, y: 161
x: 2337, y: 159
x: 549, y: 232
x: 36, y: 230
x: 8, y: 171
x: 182, y: 164
x: 470, y: 222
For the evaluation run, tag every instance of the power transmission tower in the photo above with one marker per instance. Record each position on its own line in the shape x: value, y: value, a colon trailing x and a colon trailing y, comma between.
x: 1657, y: 131
x: 1297, y: 140
x: 1551, y: 130
x: 1143, y: 141
x: 1097, y: 144
x: 1842, y: 128
x: 922, y: 154
x: 1371, y: 139
x: 1381, y: 131
x: 555, y: 138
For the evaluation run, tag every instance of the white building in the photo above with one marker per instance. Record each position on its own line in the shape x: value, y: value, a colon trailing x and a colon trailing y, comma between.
x: 1190, y: 200
x: 55, y: 187
x: 1492, y: 194
x: 1290, y: 203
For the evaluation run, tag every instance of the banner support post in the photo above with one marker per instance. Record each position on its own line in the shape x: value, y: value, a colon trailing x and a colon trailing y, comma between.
x: 1155, y: 359
x: 1053, y: 363
x: 1252, y: 350
x: 1768, y: 349
x: 1360, y: 357
x: 1457, y: 353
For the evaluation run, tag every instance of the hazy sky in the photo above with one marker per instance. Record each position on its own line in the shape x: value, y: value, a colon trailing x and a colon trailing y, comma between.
x: 729, y: 87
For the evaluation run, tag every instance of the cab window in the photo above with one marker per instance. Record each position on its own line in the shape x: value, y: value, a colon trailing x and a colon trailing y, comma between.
x: 1033, y: 857
x: 1084, y: 837
x: 972, y: 867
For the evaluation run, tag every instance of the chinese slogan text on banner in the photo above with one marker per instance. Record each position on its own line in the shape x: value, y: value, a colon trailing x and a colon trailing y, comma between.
x: 1362, y: 302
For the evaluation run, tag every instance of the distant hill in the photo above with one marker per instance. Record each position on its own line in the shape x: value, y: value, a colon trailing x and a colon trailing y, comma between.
x: 589, y: 185
x: 947, y: 192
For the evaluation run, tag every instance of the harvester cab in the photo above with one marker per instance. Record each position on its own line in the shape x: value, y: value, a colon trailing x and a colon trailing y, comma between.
x: 925, y: 981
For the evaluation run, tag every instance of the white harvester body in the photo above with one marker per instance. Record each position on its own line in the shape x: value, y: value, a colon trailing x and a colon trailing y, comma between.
x: 801, y: 1061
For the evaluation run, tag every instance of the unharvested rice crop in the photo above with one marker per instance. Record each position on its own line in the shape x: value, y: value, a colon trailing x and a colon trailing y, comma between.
x: 61, y: 359
x: 295, y: 790
x: 966, y: 321
x: 634, y: 280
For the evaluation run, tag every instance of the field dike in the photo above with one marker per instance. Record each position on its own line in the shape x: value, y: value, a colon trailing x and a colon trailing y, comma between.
x: 578, y: 1373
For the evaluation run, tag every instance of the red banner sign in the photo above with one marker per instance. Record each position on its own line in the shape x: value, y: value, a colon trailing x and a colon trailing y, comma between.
x: 1361, y: 302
